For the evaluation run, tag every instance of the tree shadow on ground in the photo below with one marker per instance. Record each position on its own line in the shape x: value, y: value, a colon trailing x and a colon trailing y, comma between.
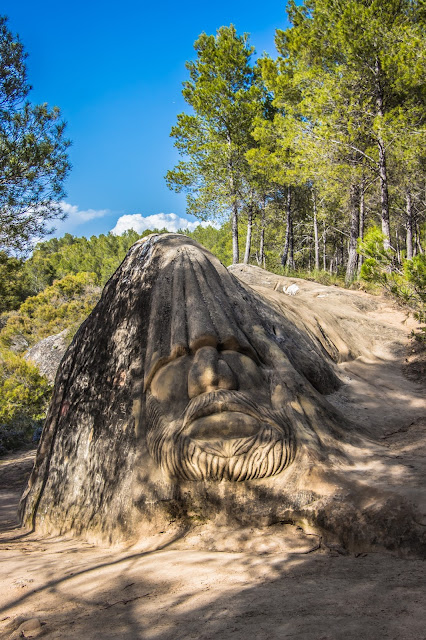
x: 180, y: 594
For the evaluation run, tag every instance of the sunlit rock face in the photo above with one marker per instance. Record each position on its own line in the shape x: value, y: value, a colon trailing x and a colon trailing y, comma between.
x: 185, y: 392
x: 210, y: 409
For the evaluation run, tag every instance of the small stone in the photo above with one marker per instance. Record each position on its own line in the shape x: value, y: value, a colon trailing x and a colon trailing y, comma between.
x: 30, y: 628
x: 47, y: 354
x: 291, y: 290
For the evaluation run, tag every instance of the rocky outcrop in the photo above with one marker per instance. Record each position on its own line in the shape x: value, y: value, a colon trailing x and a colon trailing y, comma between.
x: 48, y: 353
x: 189, y: 394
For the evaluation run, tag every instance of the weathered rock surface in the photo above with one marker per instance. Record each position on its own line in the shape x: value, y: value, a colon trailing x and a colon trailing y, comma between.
x: 48, y: 353
x: 189, y: 396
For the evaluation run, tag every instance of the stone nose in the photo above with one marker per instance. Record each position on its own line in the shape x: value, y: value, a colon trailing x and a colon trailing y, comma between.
x: 209, y: 372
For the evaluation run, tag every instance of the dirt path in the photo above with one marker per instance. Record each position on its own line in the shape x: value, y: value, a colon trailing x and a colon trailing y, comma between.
x: 172, y: 590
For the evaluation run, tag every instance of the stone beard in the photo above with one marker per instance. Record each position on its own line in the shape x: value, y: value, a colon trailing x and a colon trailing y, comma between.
x: 212, y: 455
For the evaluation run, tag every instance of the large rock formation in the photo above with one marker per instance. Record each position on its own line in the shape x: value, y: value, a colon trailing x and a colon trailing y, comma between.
x: 189, y: 396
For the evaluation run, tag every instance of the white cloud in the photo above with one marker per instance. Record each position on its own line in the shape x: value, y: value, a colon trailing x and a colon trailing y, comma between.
x: 77, y: 216
x: 140, y: 223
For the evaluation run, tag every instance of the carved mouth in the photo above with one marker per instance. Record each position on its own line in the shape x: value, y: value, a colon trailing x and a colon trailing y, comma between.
x: 224, y: 425
x: 217, y: 407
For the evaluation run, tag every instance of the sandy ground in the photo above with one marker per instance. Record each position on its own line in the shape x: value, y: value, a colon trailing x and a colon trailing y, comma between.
x: 268, y: 584
x: 175, y: 591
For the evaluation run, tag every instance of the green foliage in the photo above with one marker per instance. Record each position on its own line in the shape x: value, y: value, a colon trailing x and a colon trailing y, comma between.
x: 378, y: 259
x: 100, y: 255
x: 33, y: 152
x: 24, y: 397
x: 407, y: 286
x: 14, y: 284
x: 415, y: 274
x: 65, y: 304
x: 24, y: 393
x: 218, y: 241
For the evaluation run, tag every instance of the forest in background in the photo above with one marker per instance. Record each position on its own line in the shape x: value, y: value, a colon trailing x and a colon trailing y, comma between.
x: 310, y: 164
x: 313, y: 147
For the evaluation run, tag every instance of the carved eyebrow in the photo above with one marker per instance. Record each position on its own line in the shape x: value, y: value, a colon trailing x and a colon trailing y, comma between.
x: 231, y: 345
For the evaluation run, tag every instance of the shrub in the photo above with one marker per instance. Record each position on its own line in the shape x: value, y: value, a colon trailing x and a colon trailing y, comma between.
x: 406, y: 283
x: 66, y: 303
x: 24, y: 398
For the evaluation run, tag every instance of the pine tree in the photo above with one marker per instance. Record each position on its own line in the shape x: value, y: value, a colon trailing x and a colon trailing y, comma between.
x: 357, y: 67
x: 33, y: 152
x: 225, y: 97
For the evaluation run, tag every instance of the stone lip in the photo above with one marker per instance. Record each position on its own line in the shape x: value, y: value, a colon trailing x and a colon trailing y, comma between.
x: 226, y: 425
x: 225, y: 447
x: 219, y: 402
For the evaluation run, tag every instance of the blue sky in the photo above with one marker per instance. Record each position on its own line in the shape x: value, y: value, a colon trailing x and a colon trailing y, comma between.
x: 116, y: 72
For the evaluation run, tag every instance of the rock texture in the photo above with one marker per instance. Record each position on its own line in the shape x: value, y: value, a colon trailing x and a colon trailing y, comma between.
x: 189, y: 395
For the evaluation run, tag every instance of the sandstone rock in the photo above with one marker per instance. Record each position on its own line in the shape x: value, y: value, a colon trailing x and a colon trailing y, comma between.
x: 48, y: 353
x: 30, y: 628
x: 24, y: 628
x: 13, y: 624
x: 18, y: 343
x: 188, y: 396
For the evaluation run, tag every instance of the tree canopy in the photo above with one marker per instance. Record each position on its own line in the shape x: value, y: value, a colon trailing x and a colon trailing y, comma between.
x: 33, y: 153
x: 226, y: 96
x: 313, y: 147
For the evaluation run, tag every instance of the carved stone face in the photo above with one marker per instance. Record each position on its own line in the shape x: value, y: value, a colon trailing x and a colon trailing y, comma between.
x: 210, y: 417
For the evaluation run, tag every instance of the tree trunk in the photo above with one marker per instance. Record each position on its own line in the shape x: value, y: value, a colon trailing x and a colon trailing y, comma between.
x: 287, y: 257
x: 262, y: 238
x: 235, y: 250
x: 361, y: 222
x: 418, y: 243
x: 397, y: 247
x: 248, y: 238
x: 324, y: 248
x: 290, y: 257
x: 316, y: 237
x: 351, y: 267
x: 384, y: 194
x: 233, y: 195
x: 409, y: 226
x: 384, y: 198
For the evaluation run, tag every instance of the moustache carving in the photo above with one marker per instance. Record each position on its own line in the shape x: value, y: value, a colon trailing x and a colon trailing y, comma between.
x: 218, y: 402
